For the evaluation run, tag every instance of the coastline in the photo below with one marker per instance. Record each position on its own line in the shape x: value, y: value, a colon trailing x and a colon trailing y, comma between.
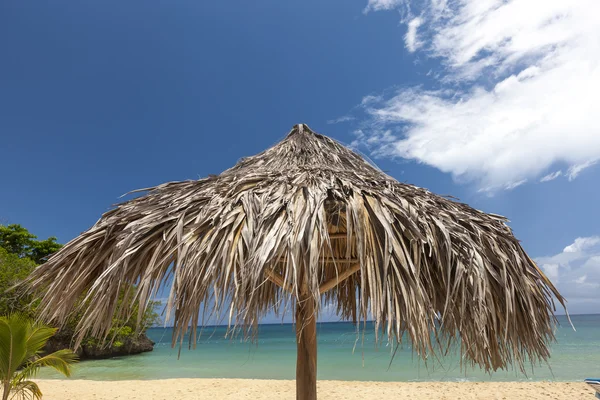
x: 194, y: 389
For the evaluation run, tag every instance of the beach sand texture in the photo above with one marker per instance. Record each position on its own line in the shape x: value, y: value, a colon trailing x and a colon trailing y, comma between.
x: 216, y: 389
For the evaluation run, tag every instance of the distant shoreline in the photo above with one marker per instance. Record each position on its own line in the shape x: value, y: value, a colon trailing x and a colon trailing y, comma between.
x: 326, y: 322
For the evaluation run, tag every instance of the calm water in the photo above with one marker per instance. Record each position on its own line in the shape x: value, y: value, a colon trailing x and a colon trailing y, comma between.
x: 575, y: 356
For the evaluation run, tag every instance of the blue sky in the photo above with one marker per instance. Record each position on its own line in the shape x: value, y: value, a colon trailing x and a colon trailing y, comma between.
x: 479, y: 100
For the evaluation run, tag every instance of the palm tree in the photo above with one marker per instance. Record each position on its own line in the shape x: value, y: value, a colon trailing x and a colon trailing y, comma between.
x: 21, y: 342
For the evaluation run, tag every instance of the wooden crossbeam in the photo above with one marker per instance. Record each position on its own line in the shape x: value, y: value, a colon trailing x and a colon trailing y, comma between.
x: 325, y: 286
x: 336, y: 280
x: 278, y: 280
x: 338, y: 235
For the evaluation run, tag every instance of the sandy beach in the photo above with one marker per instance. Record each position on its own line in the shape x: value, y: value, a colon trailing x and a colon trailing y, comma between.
x: 194, y: 389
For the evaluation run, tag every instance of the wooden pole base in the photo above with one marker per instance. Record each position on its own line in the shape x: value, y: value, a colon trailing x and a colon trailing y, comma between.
x: 306, y: 339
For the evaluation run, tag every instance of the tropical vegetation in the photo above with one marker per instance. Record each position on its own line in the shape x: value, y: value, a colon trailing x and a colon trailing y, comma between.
x: 21, y: 356
x: 20, y: 253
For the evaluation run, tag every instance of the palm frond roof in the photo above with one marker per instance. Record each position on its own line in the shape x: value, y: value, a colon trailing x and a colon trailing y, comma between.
x: 309, y: 215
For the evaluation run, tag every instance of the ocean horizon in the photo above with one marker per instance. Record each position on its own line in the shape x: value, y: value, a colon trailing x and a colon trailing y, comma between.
x: 574, y: 356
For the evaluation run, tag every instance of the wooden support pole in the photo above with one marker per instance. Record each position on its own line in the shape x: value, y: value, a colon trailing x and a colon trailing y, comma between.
x: 336, y: 280
x: 306, y: 341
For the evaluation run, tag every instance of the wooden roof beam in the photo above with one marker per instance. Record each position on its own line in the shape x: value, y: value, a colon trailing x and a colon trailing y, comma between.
x: 333, y: 282
x: 278, y: 280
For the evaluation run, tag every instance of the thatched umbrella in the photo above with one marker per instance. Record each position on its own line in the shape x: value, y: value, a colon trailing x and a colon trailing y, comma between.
x: 306, y: 222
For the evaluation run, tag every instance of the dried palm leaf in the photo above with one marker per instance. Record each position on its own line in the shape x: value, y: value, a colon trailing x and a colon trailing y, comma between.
x: 305, y: 222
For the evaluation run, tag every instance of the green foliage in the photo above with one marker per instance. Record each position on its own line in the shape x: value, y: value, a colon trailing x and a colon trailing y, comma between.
x: 41, y: 249
x: 13, y: 270
x: 122, y: 330
x: 16, y: 239
x: 19, y: 241
x: 21, y: 345
x: 151, y: 317
x: 19, y: 255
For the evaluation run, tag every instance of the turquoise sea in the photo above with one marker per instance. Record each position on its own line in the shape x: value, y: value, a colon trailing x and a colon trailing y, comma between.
x: 575, y: 356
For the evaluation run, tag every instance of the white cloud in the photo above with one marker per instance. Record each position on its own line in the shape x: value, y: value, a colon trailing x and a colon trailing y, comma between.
x: 582, y: 244
x: 512, y: 185
x: 374, y: 141
x: 516, y: 94
x: 551, y: 176
x: 551, y: 271
x: 368, y: 100
x: 345, y: 118
x: 575, y: 170
x: 378, y: 5
x: 411, y: 40
x: 576, y: 274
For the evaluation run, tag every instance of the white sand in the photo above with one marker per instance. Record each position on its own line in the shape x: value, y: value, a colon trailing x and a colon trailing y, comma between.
x: 214, y: 389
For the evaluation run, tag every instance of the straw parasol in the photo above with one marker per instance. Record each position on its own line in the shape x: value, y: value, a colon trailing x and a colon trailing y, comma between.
x: 304, y: 223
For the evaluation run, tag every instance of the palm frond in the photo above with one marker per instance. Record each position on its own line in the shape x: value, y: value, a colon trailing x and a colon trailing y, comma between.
x: 60, y: 360
x: 240, y: 244
x: 26, y: 390
x: 14, y: 330
x: 37, y: 337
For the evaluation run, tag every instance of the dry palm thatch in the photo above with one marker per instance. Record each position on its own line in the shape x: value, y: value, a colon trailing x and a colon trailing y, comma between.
x: 305, y: 222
